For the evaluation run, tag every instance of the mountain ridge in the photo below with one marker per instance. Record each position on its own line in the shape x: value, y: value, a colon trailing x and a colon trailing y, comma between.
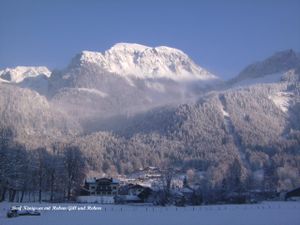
x: 140, y: 61
x: 19, y: 73
x: 271, y: 68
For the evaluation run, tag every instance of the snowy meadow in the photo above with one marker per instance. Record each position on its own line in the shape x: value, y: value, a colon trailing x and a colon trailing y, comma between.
x: 266, y: 213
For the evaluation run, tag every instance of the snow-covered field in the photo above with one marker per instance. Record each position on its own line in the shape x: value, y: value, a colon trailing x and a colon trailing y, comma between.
x: 267, y: 213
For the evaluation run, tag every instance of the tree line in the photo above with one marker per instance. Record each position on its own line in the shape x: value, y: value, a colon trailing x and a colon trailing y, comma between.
x: 39, y: 174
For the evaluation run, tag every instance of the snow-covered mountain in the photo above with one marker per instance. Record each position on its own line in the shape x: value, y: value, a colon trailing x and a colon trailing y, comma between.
x: 269, y: 70
x: 130, y: 77
x: 139, y: 61
x: 19, y: 73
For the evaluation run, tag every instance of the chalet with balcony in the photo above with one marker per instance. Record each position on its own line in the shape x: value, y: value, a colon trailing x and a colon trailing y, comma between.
x: 102, y: 190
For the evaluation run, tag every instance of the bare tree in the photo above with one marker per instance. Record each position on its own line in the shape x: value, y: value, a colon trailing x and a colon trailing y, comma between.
x: 41, y: 157
x: 75, y: 169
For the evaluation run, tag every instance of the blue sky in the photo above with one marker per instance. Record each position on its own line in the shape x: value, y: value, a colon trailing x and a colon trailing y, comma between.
x: 222, y: 36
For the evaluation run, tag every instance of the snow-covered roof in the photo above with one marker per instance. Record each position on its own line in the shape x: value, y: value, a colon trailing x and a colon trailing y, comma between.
x: 90, y: 180
x: 131, y: 198
x: 94, y: 180
x: 186, y: 190
x: 115, y: 181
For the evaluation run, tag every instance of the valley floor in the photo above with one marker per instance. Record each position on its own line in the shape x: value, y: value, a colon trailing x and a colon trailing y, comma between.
x: 266, y: 213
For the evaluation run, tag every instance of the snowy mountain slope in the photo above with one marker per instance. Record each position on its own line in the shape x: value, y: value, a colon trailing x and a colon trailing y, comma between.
x: 19, y: 73
x: 269, y: 70
x: 282, y: 100
x: 139, y: 61
x: 3, y: 81
x: 33, y: 120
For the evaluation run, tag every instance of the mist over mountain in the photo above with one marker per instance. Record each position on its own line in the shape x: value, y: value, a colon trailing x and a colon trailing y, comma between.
x: 135, y: 106
x: 126, y: 79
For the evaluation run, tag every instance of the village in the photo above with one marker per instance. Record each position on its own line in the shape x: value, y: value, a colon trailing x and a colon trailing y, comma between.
x: 145, y: 186
x: 150, y: 186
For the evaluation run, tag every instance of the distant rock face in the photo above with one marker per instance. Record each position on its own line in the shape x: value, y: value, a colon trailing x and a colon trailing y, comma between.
x: 19, y: 73
x: 270, y: 69
x: 139, y: 61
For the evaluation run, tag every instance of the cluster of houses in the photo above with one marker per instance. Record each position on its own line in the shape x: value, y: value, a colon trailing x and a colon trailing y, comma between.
x: 142, y: 186
x: 109, y: 191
